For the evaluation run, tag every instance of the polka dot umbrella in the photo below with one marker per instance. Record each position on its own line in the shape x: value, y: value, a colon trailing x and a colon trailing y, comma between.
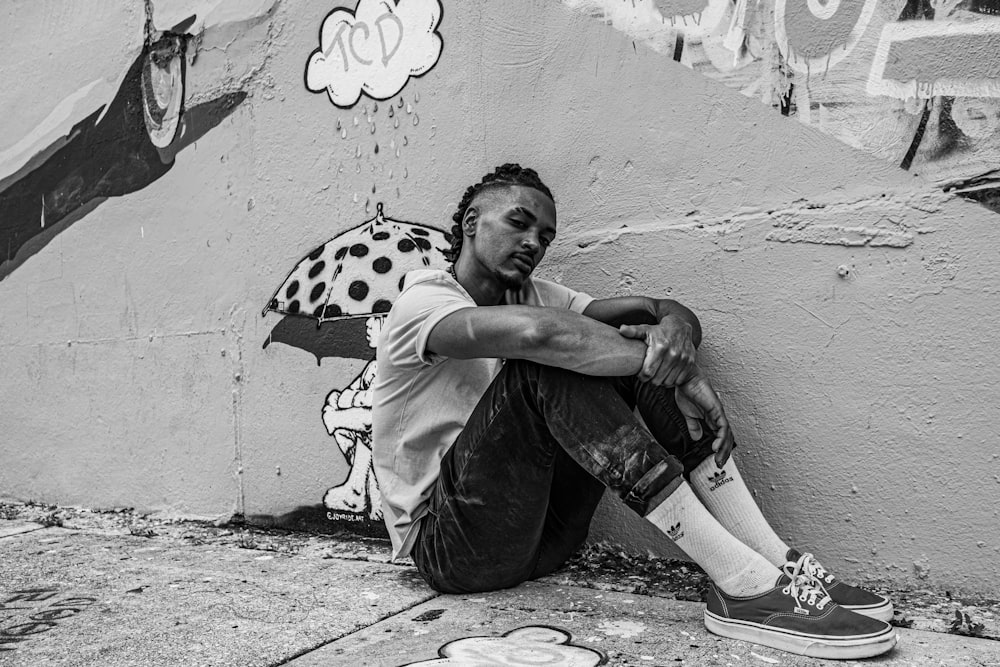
x: 360, y: 272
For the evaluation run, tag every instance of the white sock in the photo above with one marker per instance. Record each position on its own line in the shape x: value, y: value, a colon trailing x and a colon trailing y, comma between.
x: 729, y: 500
x: 733, y: 566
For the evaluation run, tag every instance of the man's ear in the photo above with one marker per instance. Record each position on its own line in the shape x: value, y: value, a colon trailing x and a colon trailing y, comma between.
x: 469, y: 221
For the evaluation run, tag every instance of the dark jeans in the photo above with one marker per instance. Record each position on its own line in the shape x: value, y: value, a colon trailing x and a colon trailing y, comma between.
x: 520, y: 485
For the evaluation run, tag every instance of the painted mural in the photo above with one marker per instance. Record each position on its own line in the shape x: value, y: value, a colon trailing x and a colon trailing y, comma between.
x: 530, y: 645
x: 107, y: 140
x: 335, y: 299
x: 353, y: 277
x: 914, y: 82
x: 374, y: 49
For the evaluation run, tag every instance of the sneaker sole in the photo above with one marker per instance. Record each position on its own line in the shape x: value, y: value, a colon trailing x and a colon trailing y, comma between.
x: 880, y: 612
x: 814, y: 646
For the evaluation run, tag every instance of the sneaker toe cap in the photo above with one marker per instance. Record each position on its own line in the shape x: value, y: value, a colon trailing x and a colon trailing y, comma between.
x: 845, y: 594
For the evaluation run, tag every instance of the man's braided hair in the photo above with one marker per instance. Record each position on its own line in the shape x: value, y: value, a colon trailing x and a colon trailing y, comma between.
x: 503, y: 176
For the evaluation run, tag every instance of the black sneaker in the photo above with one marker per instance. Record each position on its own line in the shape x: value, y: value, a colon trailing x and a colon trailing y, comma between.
x: 850, y: 597
x: 799, y: 617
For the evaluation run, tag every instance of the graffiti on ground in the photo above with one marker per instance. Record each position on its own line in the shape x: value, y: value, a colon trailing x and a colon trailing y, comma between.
x: 35, y: 611
x: 530, y: 645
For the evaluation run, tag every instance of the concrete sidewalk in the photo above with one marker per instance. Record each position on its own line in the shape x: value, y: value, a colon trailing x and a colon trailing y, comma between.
x: 116, y: 589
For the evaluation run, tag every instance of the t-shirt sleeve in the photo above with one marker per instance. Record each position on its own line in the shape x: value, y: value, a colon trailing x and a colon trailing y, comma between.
x: 414, y: 315
x: 555, y: 295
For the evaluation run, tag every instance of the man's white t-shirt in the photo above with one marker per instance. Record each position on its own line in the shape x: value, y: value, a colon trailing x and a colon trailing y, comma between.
x: 422, y: 400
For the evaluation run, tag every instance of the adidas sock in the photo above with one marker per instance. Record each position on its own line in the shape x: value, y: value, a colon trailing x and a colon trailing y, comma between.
x: 729, y: 500
x: 733, y: 566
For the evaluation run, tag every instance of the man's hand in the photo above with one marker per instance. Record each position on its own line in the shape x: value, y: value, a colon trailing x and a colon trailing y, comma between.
x: 670, y: 352
x: 697, y: 400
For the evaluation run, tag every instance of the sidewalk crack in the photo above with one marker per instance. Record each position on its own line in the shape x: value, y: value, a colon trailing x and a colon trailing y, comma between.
x: 303, y: 652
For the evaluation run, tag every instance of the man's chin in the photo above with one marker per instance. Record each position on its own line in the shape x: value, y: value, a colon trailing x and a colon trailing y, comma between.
x: 511, y: 281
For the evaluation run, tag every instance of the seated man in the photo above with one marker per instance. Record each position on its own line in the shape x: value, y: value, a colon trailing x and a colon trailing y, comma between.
x: 503, y: 407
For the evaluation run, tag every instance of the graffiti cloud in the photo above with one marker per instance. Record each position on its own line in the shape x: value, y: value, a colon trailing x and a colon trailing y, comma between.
x: 374, y: 50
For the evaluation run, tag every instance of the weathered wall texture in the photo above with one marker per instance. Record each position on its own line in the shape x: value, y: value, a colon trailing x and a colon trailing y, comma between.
x: 204, y: 213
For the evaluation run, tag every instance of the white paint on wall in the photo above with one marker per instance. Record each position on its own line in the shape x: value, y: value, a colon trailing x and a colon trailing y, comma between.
x: 838, y: 25
x: 76, y: 105
x: 207, y: 14
x: 374, y: 50
x: 976, y: 43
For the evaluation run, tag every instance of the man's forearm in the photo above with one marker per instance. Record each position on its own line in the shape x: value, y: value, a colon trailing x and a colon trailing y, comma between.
x: 550, y: 336
x: 585, y: 346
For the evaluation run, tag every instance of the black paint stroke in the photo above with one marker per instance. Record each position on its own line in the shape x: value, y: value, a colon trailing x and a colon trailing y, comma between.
x: 317, y: 519
x: 344, y: 339
x: 786, y: 100
x: 917, y: 10
x: 102, y: 156
x: 989, y: 7
x: 984, y: 189
x: 918, y: 136
x: 678, y: 46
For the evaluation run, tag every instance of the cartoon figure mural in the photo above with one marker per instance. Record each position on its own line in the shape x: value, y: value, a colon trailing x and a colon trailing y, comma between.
x: 116, y: 135
x: 530, y: 645
x: 355, y: 275
x: 347, y: 416
x: 915, y: 82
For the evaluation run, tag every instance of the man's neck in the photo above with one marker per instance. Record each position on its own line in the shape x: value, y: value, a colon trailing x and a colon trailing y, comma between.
x: 484, y: 290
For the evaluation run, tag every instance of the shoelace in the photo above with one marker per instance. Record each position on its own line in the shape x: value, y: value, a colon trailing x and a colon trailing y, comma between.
x: 804, y: 585
x: 808, y: 563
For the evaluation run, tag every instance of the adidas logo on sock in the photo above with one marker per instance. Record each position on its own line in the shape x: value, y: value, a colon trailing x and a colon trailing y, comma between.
x: 718, y: 479
x: 674, y: 532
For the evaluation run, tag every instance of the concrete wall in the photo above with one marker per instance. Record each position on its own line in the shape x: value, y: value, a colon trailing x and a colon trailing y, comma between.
x: 849, y: 304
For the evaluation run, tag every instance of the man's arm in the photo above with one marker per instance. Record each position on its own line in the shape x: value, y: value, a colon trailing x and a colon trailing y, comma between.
x: 562, y: 338
x: 550, y: 336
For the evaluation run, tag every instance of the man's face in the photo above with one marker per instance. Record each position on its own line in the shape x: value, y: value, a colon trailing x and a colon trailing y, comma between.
x: 512, y: 229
